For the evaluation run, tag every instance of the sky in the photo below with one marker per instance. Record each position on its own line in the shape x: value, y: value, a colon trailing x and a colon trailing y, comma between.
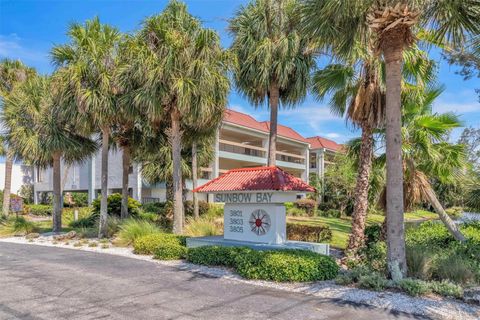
x: 29, y: 28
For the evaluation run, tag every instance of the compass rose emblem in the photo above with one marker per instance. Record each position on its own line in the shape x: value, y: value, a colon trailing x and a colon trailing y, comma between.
x: 259, y: 222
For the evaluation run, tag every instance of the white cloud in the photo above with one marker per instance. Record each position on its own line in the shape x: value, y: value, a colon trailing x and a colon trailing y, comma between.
x: 11, y: 47
x: 332, y: 135
x: 459, y: 108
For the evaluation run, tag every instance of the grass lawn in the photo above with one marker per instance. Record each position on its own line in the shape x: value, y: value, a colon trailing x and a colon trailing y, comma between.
x: 341, y: 226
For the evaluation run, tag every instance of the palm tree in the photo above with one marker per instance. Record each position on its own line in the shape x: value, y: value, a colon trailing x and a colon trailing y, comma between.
x: 357, y: 91
x: 87, y: 65
x: 180, y: 78
x: 40, y: 133
x: 12, y: 73
x: 274, y: 58
x: 390, y: 25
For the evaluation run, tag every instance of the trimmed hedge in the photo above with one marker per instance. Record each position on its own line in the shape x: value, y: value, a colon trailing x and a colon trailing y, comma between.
x: 309, y: 205
x: 279, y: 266
x: 39, y: 209
x: 170, y: 251
x: 309, y: 233
x: 114, y: 205
x: 150, y: 244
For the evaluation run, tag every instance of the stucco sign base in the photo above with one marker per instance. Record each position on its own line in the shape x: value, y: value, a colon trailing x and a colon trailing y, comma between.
x: 322, y: 248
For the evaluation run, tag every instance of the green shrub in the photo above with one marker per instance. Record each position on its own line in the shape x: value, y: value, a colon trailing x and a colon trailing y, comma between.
x: 344, y: 279
x: 114, y: 205
x: 170, y: 251
x: 148, y: 244
x: 16, y: 226
x: 132, y: 229
x: 38, y: 209
x: 215, y: 256
x: 455, y: 268
x: 414, y: 287
x: 373, y: 233
x: 288, y: 205
x: 296, y: 212
x: 447, y: 289
x: 149, y: 216
x: 203, y: 208
x: 359, y: 271
x: 376, y: 256
x: 154, y: 207
x: 429, y: 234
x: 85, y: 222
x: 203, y: 227
x: 308, y: 205
x: 80, y: 199
x: 332, y: 213
x: 286, y: 265
x: 419, y: 262
x: 454, y: 212
x: 374, y: 281
x: 309, y: 233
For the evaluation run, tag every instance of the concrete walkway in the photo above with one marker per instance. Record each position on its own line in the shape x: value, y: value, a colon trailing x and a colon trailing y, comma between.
x: 51, y: 283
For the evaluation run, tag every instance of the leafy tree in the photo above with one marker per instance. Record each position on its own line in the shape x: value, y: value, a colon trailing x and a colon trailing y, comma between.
x: 39, y: 133
x: 12, y: 73
x: 274, y: 58
x: 470, y: 137
x: 180, y: 80
x: 357, y: 91
x: 391, y: 26
x: 87, y: 67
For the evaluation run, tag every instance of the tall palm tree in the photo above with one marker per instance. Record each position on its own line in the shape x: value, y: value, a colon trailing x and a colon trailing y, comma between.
x: 274, y: 58
x: 87, y: 66
x: 357, y: 91
x: 180, y: 75
x: 391, y: 26
x: 40, y: 133
x: 12, y: 73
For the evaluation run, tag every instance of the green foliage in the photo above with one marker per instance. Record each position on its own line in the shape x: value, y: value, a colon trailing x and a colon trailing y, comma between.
x: 26, y: 192
x: 286, y: 265
x: 16, y: 226
x: 170, y: 251
x: 372, y: 233
x: 374, y: 281
x: 332, y: 213
x: 114, y: 205
x: 154, y: 207
x: 281, y: 265
x: 447, y: 289
x: 376, y: 256
x: 149, y: 216
x: 203, y: 226
x: 308, y: 205
x: 309, y: 233
x: 419, y: 261
x: 203, y: 208
x: 454, y: 267
x: 79, y: 199
x: 215, y: 255
x: 415, y: 287
x: 429, y: 234
x: 340, y: 180
x: 149, y: 243
x: 38, y: 209
x: 296, y: 212
x: 132, y: 229
x: 454, y: 212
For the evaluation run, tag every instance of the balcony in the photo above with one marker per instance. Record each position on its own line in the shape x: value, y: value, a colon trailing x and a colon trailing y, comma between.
x: 290, y: 157
x: 241, y: 148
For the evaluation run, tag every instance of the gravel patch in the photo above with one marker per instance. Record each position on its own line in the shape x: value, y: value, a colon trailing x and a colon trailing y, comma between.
x: 432, y: 307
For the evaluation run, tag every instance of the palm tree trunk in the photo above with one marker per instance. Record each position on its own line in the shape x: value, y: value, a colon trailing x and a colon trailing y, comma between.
x: 125, y: 172
x: 397, y: 264
x: 176, y: 140
x: 272, y: 142
x: 357, y: 237
x: 102, y: 226
x: 8, y: 184
x: 57, y: 193
x: 449, y: 224
x: 196, y: 213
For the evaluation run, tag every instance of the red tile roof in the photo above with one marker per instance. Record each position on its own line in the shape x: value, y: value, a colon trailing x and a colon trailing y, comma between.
x: 259, y: 178
x: 319, y: 142
x: 248, y: 121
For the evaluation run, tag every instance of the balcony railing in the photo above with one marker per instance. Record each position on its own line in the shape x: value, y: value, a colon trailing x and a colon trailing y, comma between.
x: 241, y: 148
x: 290, y: 157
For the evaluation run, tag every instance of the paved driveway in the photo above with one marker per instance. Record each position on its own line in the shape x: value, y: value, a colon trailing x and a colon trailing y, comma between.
x: 51, y: 283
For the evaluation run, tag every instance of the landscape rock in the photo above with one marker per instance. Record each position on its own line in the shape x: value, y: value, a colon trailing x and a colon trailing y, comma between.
x: 472, y: 295
x: 67, y: 236
x: 32, y: 235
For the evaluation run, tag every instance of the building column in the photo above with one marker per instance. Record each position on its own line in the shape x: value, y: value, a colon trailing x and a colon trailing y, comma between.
x: 138, y: 195
x: 35, y: 194
x: 321, y: 170
x: 306, y: 172
x: 91, y: 181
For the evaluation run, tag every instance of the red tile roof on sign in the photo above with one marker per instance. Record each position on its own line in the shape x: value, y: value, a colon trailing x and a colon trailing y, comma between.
x: 248, y: 121
x: 319, y: 142
x: 259, y: 178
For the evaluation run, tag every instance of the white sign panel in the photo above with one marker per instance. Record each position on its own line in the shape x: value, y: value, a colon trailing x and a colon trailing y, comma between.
x: 253, y: 222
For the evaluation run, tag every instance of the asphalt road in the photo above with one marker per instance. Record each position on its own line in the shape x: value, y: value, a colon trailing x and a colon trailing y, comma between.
x: 51, y: 283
